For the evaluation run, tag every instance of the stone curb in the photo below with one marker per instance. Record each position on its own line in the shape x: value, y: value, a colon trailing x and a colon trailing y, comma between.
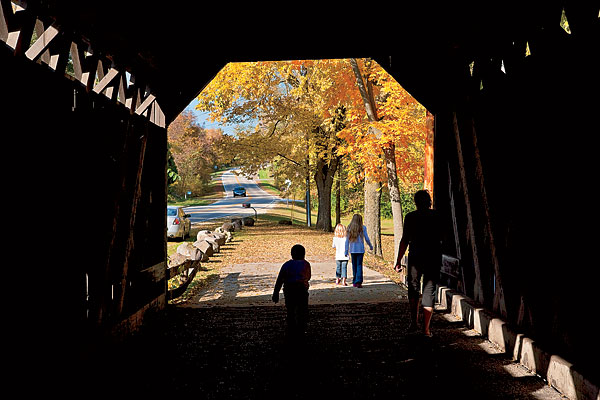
x: 558, y: 372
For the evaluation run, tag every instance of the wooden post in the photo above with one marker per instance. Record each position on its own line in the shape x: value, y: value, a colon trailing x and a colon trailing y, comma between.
x: 477, y: 289
x: 130, y: 238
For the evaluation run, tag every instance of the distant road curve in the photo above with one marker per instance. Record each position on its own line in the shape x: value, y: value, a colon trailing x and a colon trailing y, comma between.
x: 231, y: 206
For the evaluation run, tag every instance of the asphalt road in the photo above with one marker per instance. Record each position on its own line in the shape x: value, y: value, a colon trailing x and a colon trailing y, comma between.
x: 231, y: 206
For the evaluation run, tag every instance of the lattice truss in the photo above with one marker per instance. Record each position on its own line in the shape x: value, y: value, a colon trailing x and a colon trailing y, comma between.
x: 64, y: 52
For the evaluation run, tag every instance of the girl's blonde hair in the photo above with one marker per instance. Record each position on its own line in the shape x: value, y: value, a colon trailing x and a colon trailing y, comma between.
x: 355, y: 229
x: 340, y: 231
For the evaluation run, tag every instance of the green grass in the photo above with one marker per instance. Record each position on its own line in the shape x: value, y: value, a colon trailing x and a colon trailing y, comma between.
x: 214, y: 193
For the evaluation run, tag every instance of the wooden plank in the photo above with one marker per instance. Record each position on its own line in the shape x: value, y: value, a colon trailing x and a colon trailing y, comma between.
x: 191, y: 274
x: 133, y: 323
x: 145, y: 104
x: 157, y: 116
x: 134, y: 203
x: 61, y: 46
x: 4, y: 20
x: 20, y: 30
x: 477, y: 289
x: 82, y: 65
x: 177, y: 269
x: 42, y: 43
x: 106, y: 80
x: 156, y: 272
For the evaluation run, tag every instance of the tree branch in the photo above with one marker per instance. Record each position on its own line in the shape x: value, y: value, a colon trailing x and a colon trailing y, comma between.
x: 290, y: 160
x: 369, y: 106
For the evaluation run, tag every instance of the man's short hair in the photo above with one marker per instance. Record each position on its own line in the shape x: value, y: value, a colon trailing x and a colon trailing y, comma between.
x: 422, y: 199
x: 298, y: 252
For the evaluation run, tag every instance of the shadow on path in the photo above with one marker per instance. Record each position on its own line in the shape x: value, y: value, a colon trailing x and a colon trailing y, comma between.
x: 350, y: 351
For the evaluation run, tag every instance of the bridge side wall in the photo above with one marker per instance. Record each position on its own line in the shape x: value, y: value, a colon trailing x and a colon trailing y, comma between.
x: 514, y: 173
x: 90, y: 177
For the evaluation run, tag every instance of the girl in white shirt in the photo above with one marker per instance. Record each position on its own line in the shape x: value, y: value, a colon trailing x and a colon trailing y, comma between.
x: 341, y: 260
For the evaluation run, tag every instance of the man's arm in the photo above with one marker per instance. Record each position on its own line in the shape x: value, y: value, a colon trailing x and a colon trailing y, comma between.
x: 278, y: 285
x: 401, y: 250
x: 403, y: 242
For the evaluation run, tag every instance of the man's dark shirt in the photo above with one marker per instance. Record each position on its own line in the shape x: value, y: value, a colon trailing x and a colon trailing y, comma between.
x: 423, y: 231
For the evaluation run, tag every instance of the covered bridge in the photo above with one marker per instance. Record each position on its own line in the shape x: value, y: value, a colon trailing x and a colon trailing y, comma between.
x: 91, y: 87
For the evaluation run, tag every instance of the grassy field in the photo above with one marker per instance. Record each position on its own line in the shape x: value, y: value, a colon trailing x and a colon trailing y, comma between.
x: 214, y: 193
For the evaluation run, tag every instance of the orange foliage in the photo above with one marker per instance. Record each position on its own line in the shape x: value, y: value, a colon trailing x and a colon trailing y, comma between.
x: 401, y: 120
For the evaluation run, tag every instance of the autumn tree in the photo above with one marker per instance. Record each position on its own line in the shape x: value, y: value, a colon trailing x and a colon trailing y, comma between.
x: 388, y: 119
x: 299, y: 107
x: 192, y: 149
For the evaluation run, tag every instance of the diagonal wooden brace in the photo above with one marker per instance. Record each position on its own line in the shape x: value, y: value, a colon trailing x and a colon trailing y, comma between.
x: 42, y: 43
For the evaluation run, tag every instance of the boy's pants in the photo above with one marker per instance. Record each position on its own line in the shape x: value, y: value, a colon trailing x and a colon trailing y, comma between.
x: 296, y: 304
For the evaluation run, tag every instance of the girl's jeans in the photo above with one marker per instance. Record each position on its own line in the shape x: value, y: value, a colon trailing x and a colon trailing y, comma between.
x: 357, y: 267
x: 341, y: 268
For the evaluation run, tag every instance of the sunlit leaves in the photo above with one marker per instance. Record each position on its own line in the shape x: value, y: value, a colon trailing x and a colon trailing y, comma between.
x: 401, y: 120
x: 298, y: 105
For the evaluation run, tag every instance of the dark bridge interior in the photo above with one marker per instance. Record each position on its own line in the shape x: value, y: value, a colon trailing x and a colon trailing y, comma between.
x: 515, y: 99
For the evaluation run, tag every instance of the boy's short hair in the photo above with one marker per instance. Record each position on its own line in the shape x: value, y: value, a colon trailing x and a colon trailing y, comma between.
x: 298, y: 252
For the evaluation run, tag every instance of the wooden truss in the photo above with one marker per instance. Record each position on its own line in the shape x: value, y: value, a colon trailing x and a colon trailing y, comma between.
x: 66, y: 53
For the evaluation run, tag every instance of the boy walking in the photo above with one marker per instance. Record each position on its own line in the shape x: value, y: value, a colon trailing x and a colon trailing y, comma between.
x: 294, y: 276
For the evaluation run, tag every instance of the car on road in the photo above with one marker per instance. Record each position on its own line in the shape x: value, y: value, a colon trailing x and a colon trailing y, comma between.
x: 239, y: 191
x: 178, y: 223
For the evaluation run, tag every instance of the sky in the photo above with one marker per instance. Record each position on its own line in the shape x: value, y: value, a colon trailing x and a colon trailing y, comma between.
x: 202, y: 118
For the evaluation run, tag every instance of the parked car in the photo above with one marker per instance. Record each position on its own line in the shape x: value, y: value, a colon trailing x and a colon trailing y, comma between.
x: 239, y: 191
x: 178, y: 223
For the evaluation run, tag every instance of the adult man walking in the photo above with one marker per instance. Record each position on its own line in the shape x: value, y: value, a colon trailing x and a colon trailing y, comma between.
x: 423, y: 236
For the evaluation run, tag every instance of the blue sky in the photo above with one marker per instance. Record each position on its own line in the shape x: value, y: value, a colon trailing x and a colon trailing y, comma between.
x: 203, y: 119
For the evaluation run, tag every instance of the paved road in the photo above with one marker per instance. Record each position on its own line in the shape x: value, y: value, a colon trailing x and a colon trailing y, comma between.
x: 230, y: 206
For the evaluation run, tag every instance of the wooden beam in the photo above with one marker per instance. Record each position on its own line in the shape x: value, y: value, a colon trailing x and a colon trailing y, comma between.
x: 157, y: 272
x: 77, y: 58
x: 477, y: 285
x: 4, y: 20
x: 145, y: 104
x: 106, y: 80
x: 40, y: 45
x: 19, y: 26
x: 157, y: 116
x: 83, y: 66
x: 58, y: 61
x: 137, y: 191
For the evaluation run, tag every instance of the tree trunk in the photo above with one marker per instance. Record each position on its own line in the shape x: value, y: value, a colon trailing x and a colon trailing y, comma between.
x: 372, y: 218
x: 338, y: 196
x: 372, y: 189
x: 324, y: 180
x: 390, y: 163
